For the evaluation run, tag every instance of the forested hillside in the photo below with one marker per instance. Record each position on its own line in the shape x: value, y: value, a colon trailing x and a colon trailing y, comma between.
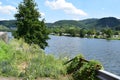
x: 106, y: 22
x: 8, y: 23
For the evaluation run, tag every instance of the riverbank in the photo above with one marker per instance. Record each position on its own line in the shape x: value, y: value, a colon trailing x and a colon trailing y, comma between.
x: 29, y: 62
x: 114, y: 37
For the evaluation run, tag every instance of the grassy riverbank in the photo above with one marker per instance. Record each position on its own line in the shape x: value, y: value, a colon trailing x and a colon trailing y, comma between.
x: 29, y: 62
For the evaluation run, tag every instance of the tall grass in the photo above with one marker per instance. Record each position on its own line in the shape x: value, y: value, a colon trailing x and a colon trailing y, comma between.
x: 6, y: 56
x: 19, y: 59
x: 29, y: 61
x: 45, y: 66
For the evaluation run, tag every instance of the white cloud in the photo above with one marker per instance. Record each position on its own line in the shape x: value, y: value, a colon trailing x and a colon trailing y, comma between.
x: 1, y: 19
x: 42, y: 14
x: 67, y: 7
x: 7, y: 9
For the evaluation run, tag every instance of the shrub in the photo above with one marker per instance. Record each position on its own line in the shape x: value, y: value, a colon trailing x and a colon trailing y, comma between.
x: 75, y: 64
x: 82, y: 69
x: 87, y: 71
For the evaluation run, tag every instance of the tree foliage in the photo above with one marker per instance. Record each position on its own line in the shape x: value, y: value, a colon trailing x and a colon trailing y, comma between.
x: 28, y: 25
x: 83, y: 32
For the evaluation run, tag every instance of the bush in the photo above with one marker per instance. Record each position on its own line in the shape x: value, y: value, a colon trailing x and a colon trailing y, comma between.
x: 82, y: 69
x: 75, y: 64
x: 87, y: 71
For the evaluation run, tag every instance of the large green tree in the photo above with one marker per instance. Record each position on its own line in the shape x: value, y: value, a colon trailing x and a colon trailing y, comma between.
x: 29, y: 27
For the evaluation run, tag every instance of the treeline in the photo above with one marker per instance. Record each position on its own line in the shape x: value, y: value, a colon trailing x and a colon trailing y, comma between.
x: 107, y: 28
x: 85, y: 33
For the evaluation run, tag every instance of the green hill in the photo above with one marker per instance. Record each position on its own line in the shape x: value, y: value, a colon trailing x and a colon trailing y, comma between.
x: 110, y: 22
x: 8, y: 23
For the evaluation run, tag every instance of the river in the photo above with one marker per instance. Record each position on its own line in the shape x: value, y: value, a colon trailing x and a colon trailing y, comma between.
x: 106, y: 51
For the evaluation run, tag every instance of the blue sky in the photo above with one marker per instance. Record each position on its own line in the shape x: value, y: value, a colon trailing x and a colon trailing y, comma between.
x: 54, y: 10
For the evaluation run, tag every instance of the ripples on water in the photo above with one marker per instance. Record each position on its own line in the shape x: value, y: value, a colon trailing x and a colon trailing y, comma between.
x: 106, y: 51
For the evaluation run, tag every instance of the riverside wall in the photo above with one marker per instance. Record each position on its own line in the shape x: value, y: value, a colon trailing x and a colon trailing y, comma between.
x: 4, y: 36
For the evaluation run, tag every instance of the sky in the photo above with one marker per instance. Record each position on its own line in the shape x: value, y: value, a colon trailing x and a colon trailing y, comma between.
x: 54, y: 10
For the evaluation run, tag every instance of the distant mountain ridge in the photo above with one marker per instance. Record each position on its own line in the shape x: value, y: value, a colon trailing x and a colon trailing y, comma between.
x: 8, y: 23
x: 109, y: 22
x: 105, y: 22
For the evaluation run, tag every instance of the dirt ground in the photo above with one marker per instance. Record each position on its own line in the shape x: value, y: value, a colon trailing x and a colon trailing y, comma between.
x: 9, y: 78
x: 13, y: 78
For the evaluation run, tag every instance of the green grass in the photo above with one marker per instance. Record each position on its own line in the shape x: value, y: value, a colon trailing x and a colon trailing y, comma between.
x: 29, y: 62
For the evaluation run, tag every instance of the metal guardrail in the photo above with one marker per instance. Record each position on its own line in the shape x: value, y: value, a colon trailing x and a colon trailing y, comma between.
x: 105, y: 75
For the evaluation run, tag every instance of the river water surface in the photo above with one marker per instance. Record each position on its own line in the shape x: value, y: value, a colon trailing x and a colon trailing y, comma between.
x: 106, y: 51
